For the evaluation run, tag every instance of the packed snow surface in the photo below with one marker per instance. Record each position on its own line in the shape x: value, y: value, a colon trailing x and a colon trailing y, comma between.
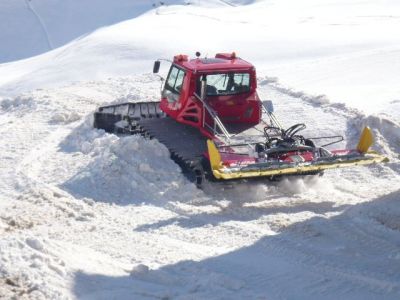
x: 89, y: 215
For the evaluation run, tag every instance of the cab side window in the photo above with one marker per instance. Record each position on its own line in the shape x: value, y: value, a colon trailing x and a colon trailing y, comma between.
x: 175, y: 80
x: 243, y: 80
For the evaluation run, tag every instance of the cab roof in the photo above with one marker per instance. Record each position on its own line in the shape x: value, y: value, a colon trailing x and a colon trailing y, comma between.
x: 221, y: 62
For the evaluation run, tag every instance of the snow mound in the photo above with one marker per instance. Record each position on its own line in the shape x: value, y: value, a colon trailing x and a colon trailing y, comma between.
x: 124, y: 170
x: 21, y: 102
x: 387, y: 134
x: 65, y: 117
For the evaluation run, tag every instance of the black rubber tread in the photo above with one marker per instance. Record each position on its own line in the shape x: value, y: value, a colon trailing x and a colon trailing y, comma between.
x: 185, y: 143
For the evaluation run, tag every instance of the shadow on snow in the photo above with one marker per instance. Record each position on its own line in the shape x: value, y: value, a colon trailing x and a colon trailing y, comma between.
x: 354, y: 255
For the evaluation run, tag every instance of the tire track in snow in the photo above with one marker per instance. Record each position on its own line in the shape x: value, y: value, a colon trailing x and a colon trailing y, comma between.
x: 297, y: 246
x: 41, y: 23
x: 335, y: 274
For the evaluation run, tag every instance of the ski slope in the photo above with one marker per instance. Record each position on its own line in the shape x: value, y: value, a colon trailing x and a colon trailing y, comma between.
x: 32, y: 27
x: 344, y: 50
x: 90, y: 215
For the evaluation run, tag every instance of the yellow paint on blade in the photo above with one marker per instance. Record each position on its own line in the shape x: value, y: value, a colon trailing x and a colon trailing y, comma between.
x: 366, y: 140
x: 220, y: 173
x: 215, y: 157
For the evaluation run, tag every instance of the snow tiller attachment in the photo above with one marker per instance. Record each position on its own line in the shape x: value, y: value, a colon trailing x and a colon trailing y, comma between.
x: 215, y: 126
x: 287, y: 154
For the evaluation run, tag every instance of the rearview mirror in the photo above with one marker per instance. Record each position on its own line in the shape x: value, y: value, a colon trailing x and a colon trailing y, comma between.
x: 156, y: 66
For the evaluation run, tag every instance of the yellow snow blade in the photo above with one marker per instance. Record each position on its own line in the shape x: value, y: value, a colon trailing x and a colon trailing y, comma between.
x: 366, y: 140
x: 215, y: 157
x: 226, y: 174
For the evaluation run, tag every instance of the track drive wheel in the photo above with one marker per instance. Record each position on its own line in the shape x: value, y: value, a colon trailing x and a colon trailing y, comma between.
x: 201, y: 173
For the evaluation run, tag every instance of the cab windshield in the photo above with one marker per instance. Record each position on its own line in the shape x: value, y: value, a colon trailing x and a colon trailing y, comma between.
x: 225, y: 84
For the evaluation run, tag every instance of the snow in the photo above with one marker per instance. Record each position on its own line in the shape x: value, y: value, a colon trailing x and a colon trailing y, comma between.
x: 89, y: 215
x: 346, y: 50
x: 31, y: 27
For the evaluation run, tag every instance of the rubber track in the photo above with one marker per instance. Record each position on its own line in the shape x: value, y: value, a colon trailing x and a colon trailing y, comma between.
x: 185, y: 143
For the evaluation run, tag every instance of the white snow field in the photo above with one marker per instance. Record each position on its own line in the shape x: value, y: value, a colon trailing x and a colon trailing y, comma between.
x: 31, y: 27
x: 89, y: 215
